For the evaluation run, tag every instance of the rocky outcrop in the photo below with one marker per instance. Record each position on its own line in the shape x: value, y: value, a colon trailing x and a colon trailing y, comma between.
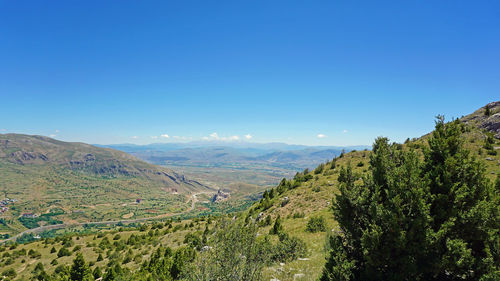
x: 27, y: 157
x: 489, y: 122
x: 220, y: 196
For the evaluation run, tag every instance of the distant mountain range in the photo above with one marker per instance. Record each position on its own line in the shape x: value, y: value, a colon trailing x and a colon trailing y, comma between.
x: 230, y: 153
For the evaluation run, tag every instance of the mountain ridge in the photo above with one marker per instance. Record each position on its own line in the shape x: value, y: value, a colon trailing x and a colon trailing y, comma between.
x: 53, y: 181
x: 38, y: 150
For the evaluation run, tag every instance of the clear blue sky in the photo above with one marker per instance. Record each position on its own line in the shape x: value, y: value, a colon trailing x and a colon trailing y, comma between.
x: 131, y: 71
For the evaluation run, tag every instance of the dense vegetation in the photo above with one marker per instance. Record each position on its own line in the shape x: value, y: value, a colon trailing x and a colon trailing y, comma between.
x: 412, y: 219
x: 228, y: 250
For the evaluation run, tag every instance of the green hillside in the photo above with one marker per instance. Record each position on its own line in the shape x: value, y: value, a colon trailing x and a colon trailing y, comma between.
x: 292, y: 221
x: 309, y: 194
x: 51, y: 181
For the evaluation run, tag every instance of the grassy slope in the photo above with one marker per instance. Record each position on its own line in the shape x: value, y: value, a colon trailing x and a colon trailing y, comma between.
x: 86, y: 182
x: 89, y: 244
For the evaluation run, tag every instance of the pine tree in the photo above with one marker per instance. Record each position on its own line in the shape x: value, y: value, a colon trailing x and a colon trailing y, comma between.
x: 435, y: 219
x: 380, y: 234
x: 487, y: 110
x: 178, y: 264
x: 80, y: 270
x: 277, y: 227
x: 97, y: 272
x: 110, y: 275
x: 465, y: 221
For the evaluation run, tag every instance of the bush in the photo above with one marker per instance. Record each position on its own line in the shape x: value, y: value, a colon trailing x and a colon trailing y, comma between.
x: 298, y: 215
x: 63, y: 252
x: 34, y: 254
x: 319, y: 169
x: 277, y: 227
x: 267, y: 221
x: 316, y: 224
x: 234, y: 252
x: 288, y: 249
x: 11, y: 273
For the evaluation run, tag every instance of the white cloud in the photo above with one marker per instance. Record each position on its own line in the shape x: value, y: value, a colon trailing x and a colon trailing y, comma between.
x: 182, y: 138
x: 57, y: 131
x: 248, y: 136
x: 3, y: 130
x: 344, y: 131
x: 154, y: 137
x: 165, y: 136
x: 321, y: 136
x: 52, y: 135
x: 135, y: 137
x: 215, y: 136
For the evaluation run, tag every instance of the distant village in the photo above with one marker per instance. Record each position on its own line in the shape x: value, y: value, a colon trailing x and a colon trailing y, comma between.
x: 4, y: 204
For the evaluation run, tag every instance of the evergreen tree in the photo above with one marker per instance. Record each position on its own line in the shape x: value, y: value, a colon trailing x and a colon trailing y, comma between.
x: 265, y: 195
x: 110, y: 275
x: 80, y: 270
x: 465, y: 221
x: 178, y: 264
x: 282, y: 186
x: 380, y: 234
x: 277, y: 227
x: 487, y: 110
x: 97, y: 272
x: 413, y: 220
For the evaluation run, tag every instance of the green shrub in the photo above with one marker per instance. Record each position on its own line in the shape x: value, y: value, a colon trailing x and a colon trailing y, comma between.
x: 298, y: 215
x: 10, y: 273
x: 319, y: 169
x: 277, y: 227
x: 316, y: 224
x: 288, y: 249
x: 63, y: 252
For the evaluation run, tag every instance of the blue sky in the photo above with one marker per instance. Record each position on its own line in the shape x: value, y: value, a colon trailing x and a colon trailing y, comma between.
x: 290, y: 71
